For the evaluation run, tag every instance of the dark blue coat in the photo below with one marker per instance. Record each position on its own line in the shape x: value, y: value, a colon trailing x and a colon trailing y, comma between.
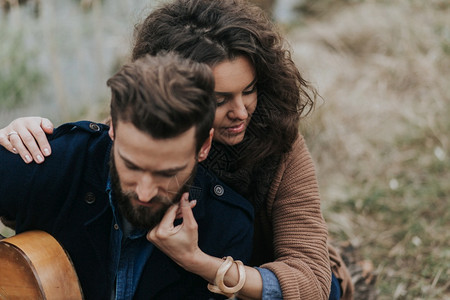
x: 66, y: 197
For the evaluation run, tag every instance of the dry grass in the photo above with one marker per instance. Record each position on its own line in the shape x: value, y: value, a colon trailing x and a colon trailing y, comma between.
x: 381, y: 137
x: 73, y: 49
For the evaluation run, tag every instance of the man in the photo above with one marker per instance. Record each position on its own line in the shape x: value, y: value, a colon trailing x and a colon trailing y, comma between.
x: 104, y: 188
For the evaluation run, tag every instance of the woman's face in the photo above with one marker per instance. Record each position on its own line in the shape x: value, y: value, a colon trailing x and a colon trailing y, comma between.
x: 236, y: 95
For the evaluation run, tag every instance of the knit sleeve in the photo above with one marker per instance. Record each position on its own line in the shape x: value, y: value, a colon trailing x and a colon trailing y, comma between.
x: 302, y: 263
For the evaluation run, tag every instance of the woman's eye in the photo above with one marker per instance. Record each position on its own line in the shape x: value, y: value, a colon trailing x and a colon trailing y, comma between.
x: 251, y: 91
x: 220, y: 100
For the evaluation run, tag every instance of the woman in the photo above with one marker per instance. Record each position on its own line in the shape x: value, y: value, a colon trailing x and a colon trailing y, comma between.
x: 257, y: 148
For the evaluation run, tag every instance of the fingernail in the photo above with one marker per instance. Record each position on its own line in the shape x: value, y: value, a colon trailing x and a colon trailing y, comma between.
x: 39, y: 158
x: 194, y: 202
x: 14, y: 150
x: 27, y: 158
x: 46, y: 152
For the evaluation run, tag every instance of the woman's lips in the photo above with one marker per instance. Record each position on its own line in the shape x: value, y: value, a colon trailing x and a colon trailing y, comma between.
x: 235, y: 129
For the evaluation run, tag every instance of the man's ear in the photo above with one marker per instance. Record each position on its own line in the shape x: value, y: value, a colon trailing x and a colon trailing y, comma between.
x: 204, y: 150
x: 111, y: 131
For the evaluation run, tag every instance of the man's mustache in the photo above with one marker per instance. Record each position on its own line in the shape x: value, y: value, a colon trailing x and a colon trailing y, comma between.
x: 155, y: 200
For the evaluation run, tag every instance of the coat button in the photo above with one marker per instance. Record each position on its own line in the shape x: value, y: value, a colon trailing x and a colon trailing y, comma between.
x: 89, y: 198
x: 219, y: 190
x: 94, y: 127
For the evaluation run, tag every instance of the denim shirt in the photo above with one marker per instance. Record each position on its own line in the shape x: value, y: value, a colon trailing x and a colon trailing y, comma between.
x: 130, y: 249
x: 271, y: 286
x: 272, y: 290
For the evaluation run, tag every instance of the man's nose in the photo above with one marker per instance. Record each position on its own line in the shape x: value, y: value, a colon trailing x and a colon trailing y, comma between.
x: 146, y: 188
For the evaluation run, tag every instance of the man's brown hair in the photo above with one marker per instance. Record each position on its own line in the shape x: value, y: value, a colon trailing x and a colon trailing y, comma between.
x: 164, y: 96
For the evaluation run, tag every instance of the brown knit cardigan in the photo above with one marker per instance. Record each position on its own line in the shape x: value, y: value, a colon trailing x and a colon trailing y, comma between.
x: 294, y: 223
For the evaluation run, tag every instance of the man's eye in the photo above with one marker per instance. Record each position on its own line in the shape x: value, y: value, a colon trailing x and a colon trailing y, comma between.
x: 131, y: 167
x: 168, y: 175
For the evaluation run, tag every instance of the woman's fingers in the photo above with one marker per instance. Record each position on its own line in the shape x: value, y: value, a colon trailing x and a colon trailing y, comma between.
x: 186, y: 212
x: 177, y: 241
x: 21, y: 149
x: 25, y: 143
x: 166, y: 229
x: 27, y: 137
x: 4, y: 140
x: 33, y: 133
x: 47, y: 125
x: 39, y: 134
x: 163, y: 229
x: 192, y: 204
x: 41, y: 137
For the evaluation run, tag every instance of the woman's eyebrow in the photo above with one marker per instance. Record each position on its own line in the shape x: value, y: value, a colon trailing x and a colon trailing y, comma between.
x: 251, y: 83
x: 228, y: 93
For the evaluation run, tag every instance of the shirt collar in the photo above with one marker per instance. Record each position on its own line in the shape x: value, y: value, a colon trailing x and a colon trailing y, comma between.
x: 128, y: 230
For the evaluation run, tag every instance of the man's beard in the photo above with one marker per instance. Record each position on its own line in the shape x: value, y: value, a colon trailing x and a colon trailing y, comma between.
x: 143, y: 217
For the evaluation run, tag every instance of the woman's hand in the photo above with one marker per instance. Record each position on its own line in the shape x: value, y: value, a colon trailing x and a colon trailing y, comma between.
x: 26, y: 137
x: 178, y: 242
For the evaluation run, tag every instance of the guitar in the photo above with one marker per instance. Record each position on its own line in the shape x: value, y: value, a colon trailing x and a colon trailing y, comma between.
x: 33, y: 265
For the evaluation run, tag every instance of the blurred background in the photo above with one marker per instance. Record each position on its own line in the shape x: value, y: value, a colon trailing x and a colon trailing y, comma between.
x: 380, y: 135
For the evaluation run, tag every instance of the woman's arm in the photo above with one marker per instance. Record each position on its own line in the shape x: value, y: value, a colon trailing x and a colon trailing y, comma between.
x: 299, y: 232
x: 27, y: 137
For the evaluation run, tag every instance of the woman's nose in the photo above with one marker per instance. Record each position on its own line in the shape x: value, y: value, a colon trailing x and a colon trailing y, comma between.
x: 238, y: 110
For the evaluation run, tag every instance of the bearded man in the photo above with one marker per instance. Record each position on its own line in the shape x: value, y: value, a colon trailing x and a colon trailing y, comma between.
x: 104, y: 188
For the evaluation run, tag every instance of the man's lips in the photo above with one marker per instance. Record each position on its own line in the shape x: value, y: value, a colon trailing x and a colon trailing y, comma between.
x: 142, y: 203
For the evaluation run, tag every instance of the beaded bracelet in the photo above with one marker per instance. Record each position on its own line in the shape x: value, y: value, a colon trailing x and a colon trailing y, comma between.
x: 219, y: 286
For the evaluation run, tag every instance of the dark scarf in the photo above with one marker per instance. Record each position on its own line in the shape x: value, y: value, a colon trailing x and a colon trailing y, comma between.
x: 250, y: 180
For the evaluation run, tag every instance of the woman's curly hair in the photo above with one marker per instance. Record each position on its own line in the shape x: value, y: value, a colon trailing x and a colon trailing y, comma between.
x: 211, y: 32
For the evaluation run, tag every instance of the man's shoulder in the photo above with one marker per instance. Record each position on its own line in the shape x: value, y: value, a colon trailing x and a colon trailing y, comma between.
x: 80, y: 128
x: 79, y: 161
x: 73, y: 140
x: 71, y: 144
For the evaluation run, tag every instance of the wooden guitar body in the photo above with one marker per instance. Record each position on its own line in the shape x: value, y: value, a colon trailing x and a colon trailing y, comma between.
x: 33, y: 265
